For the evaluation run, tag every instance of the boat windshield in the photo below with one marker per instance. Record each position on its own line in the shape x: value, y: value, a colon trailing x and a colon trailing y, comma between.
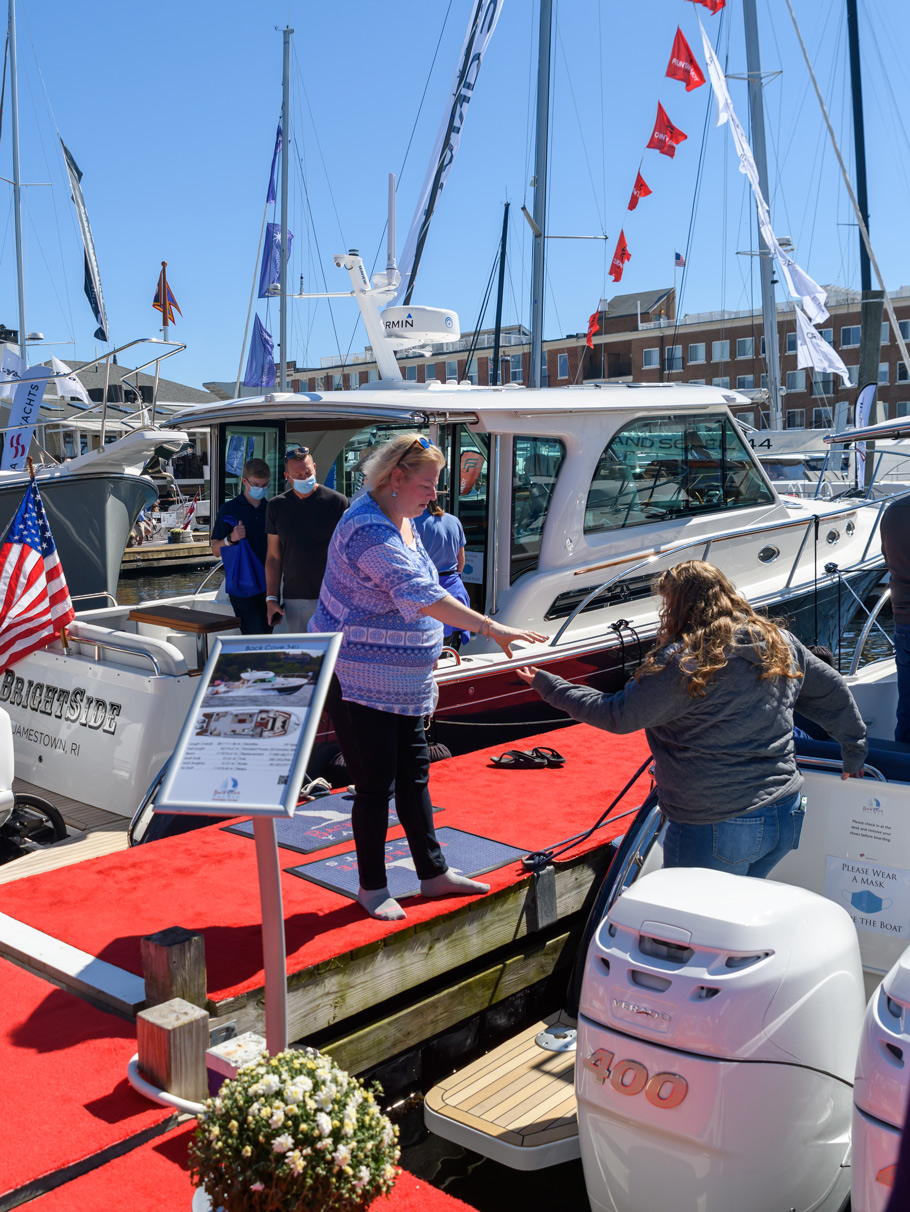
x: 662, y: 467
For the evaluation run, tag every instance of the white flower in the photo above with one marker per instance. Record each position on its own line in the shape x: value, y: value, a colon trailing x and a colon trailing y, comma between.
x: 388, y: 1133
x: 268, y: 1085
x: 295, y: 1161
x: 342, y: 1155
x: 281, y: 1144
x: 294, y: 1092
x: 363, y: 1177
x: 257, y: 1186
x: 323, y: 1124
x: 277, y: 1119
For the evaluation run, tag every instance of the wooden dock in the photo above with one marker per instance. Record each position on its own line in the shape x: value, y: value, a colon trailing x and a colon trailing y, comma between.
x: 155, y: 556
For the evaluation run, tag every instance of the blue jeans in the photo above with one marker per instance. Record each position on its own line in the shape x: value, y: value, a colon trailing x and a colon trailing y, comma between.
x: 902, y: 659
x: 752, y: 844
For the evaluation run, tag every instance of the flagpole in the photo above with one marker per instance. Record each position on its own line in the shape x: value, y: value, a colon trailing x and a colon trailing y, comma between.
x: 162, y: 296
x: 17, y: 183
x: 283, y: 256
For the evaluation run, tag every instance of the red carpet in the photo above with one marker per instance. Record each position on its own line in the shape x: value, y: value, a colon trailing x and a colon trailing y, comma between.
x: 207, y: 880
x: 156, y: 1180
x: 63, y: 1088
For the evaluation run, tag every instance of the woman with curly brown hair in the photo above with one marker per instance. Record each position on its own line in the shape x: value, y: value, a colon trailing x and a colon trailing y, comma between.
x: 715, y: 696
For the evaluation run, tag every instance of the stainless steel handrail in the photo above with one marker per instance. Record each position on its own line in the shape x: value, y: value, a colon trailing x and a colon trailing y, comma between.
x: 833, y: 764
x: 102, y: 593
x: 109, y: 644
x: 864, y: 634
x: 211, y: 572
x: 706, y: 541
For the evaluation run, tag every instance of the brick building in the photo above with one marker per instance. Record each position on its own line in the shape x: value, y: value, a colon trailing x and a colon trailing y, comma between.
x: 641, y: 340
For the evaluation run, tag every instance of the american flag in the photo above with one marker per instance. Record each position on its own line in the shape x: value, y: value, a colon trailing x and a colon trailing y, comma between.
x: 35, y: 603
x: 679, y: 260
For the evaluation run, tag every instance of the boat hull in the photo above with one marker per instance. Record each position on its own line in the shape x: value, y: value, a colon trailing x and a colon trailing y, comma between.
x: 90, y: 517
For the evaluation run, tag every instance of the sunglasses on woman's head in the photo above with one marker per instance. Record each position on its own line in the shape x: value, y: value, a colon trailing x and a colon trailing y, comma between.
x: 421, y: 442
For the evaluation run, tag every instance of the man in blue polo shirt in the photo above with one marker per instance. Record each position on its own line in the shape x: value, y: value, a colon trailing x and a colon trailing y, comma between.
x: 244, y: 518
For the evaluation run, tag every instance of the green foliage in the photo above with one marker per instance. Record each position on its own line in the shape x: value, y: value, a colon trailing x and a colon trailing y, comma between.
x: 294, y: 1132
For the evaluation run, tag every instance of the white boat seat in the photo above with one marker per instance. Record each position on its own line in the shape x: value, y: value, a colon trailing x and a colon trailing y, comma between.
x: 122, y: 645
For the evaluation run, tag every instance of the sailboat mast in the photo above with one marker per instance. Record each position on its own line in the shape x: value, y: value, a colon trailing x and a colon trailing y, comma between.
x: 872, y: 300
x: 497, y: 331
x: 766, y: 258
x: 17, y: 180
x: 538, y: 274
x: 283, y: 257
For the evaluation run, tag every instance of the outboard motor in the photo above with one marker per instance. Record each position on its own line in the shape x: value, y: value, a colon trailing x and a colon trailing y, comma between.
x: 881, y: 1089
x: 718, y: 1023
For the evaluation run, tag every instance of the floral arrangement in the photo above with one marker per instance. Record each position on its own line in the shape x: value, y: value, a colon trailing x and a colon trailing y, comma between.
x: 294, y: 1132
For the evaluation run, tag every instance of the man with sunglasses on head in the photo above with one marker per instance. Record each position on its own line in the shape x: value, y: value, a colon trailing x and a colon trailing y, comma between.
x: 241, y: 518
x: 299, y: 525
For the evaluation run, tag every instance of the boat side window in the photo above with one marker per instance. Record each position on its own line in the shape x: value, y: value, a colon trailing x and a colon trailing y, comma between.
x: 535, y: 468
x: 663, y: 467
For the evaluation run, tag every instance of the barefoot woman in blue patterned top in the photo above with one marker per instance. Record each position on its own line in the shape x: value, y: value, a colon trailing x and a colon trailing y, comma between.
x: 382, y: 592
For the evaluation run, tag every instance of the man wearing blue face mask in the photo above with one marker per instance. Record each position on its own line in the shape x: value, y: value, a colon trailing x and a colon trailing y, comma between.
x: 241, y: 518
x: 299, y: 526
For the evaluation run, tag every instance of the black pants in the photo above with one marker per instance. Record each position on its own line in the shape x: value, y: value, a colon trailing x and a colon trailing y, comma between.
x: 383, y: 751
x: 252, y: 614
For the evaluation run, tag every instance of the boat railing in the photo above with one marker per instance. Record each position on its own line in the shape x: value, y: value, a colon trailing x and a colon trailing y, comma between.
x: 165, y: 659
x: 208, y: 576
x: 870, y: 622
x: 102, y: 593
x: 812, y: 523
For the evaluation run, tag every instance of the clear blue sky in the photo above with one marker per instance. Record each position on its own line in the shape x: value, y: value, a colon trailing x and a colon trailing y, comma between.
x: 170, y: 110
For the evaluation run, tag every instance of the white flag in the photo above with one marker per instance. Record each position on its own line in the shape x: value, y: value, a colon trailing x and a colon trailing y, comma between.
x: 23, y: 416
x: 813, y: 350
x: 68, y: 382
x: 484, y: 15
x: 12, y: 368
x: 862, y: 415
x: 799, y: 284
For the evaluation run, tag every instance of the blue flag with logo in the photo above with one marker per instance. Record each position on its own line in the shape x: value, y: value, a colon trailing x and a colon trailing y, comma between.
x: 270, y: 274
x: 270, y: 197
x: 260, y: 365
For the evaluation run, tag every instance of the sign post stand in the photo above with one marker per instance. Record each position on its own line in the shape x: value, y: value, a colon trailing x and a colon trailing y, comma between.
x: 244, y: 749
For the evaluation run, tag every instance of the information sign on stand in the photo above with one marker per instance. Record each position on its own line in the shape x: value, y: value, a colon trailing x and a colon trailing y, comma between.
x: 243, y: 750
x: 249, y: 733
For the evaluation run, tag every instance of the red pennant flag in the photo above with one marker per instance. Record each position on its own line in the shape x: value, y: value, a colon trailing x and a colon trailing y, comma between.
x: 593, y: 327
x: 683, y: 65
x: 665, y: 136
x: 620, y: 257
x: 713, y: 6
x: 639, y: 190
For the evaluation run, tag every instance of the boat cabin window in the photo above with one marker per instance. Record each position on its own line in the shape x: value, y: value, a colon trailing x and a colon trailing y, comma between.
x: 535, y: 467
x: 666, y: 467
x: 244, y: 442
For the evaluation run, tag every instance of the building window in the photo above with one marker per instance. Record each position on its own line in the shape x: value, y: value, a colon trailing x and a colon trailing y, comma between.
x: 695, y: 382
x: 452, y: 371
x: 761, y: 346
x: 320, y: 383
x: 886, y: 333
x: 745, y: 347
x: 471, y: 373
x: 723, y: 381
x: 746, y: 418
x: 673, y: 357
x: 545, y: 373
x: 901, y: 370
x: 854, y: 375
x: 796, y: 418
x: 373, y: 375
x: 796, y: 380
x: 791, y: 342
x: 650, y: 359
x: 337, y: 382
x: 562, y: 366
x: 745, y: 382
x: 903, y: 408
x: 410, y: 371
x: 697, y: 353
x: 822, y: 418
x: 883, y: 372
x: 849, y: 337
x: 763, y: 382
x: 720, y: 351
x: 827, y: 334
x: 904, y: 326
x: 515, y: 368
x: 822, y: 384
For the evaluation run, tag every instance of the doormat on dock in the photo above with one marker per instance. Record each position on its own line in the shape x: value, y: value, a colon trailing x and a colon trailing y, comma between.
x: 466, y: 853
x: 317, y: 824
